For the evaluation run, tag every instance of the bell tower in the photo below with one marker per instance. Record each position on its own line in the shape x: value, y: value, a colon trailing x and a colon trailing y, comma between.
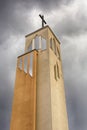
x: 39, y: 96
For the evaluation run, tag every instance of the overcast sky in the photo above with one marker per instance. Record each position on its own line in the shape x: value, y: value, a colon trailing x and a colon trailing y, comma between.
x: 68, y: 20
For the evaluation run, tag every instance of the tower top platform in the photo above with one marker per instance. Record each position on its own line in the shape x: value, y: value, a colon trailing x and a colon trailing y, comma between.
x: 41, y: 29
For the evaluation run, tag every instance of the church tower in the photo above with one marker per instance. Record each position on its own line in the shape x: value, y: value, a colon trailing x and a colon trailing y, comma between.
x: 39, y: 96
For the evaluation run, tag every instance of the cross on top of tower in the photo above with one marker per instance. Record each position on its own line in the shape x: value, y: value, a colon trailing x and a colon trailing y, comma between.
x: 43, y: 21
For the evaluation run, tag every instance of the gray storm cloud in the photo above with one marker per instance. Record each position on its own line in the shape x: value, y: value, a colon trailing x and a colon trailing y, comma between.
x: 68, y: 20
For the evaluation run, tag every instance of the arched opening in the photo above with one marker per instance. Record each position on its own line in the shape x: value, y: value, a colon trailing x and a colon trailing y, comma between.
x: 43, y: 41
x: 37, y: 42
x: 30, y: 47
x: 20, y: 63
x: 25, y: 63
x: 31, y: 65
x: 58, y: 53
x: 51, y: 44
x: 54, y: 44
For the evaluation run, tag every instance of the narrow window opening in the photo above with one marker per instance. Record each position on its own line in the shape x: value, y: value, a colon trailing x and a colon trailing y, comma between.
x: 43, y: 43
x: 54, y: 46
x: 58, y: 76
x: 40, y: 42
x: 51, y: 44
x: 31, y: 65
x: 25, y: 63
x: 37, y: 42
x: 30, y: 47
x: 55, y: 71
x: 33, y: 44
x: 20, y: 63
x: 58, y: 53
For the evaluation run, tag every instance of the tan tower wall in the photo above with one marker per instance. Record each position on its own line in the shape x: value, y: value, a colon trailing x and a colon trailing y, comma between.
x: 24, y: 103
x: 44, y: 119
x: 58, y: 103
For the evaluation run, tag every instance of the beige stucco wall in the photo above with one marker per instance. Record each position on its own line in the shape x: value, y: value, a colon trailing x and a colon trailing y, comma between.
x: 44, y: 119
x: 24, y: 102
x: 58, y: 104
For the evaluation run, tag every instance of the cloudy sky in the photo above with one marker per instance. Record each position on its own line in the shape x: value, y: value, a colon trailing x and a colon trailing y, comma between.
x: 68, y: 20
